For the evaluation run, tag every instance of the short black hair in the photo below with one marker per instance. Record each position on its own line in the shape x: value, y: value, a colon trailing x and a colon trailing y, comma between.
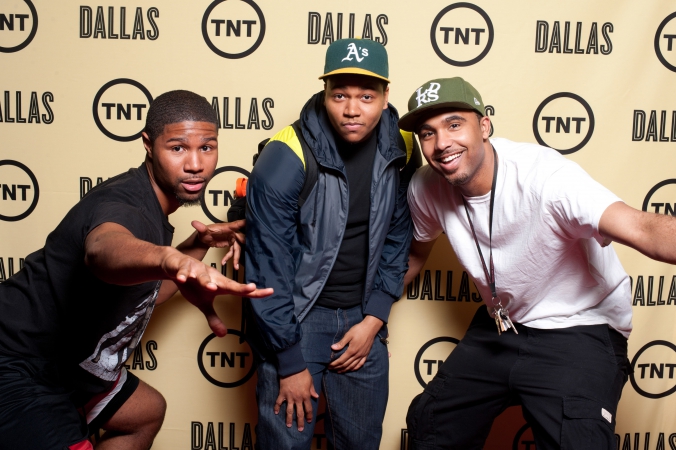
x: 177, y: 106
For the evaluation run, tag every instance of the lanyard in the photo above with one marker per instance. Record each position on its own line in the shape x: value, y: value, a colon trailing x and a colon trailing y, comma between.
x: 490, y: 275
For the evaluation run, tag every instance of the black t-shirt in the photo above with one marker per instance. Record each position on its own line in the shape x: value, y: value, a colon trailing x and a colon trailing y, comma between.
x: 344, y: 287
x: 55, y: 309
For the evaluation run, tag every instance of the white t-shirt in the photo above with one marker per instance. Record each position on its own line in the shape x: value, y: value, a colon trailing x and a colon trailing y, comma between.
x: 551, y: 270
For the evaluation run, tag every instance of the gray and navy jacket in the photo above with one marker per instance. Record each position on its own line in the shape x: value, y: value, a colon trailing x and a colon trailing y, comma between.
x: 292, y: 247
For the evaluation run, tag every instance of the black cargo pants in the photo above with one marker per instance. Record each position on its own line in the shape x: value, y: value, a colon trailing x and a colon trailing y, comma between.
x: 568, y: 382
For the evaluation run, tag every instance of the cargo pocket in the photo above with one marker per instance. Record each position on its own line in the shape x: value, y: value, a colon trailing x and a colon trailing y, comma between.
x: 587, y: 425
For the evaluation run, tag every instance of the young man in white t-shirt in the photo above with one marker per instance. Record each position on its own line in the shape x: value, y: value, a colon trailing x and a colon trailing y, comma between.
x: 544, y: 269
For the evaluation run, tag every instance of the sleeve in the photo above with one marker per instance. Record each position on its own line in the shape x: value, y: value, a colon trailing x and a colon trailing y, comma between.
x: 389, y: 280
x: 271, y: 249
x: 425, y: 227
x: 128, y: 216
x: 576, y: 202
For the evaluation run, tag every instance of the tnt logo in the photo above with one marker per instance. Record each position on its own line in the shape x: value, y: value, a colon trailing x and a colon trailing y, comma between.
x: 19, y: 191
x: 219, y: 193
x: 233, y: 29
x: 120, y: 109
x: 654, y: 370
x: 431, y: 356
x: 564, y: 122
x: 659, y: 198
x: 524, y: 439
x: 18, y: 25
x: 462, y: 34
x: 226, y: 362
x: 665, y: 42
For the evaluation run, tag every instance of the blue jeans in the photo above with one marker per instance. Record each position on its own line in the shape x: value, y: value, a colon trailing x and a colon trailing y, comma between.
x: 355, y: 401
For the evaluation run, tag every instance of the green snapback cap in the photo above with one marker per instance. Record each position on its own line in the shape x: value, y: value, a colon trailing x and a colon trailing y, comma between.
x: 441, y: 93
x: 358, y: 56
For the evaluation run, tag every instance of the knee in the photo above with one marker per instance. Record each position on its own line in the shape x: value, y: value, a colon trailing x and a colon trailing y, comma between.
x: 157, y: 408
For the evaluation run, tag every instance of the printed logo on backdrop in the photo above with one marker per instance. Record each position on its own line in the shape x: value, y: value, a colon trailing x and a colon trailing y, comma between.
x: 462, y: 34
x: 324, y: 29
x: 18, y: 25
x: 120, y: 109
x: 661, y: 199
x: 584, y: 40
x: 490, y: 111
x: 665, y: 42
x: 654, y: 369
x: 564, y: 122
x: 7, y: 271
x: 20, y: 108
x: 142, y: 359
x: 438, y: 288
x: 226, y: 362
x: 431, y: 356
x: 523, y: 440
x: 117, y: 24
x: 219, y: 193
x: 651, y: 126
x: 19, y: 191
x: 215, y: 436
x: 233, y: 29
x: 238, y: 115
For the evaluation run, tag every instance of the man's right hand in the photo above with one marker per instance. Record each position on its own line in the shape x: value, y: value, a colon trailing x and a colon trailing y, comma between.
x: 296, y: 391
x: 200, y: 284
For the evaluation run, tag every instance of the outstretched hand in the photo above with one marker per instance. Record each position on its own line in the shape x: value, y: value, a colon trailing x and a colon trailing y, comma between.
x: 200, y: 284
x: 222, y: 235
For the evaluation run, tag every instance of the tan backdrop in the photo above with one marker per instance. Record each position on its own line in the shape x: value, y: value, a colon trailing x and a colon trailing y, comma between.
x: 595, y: 80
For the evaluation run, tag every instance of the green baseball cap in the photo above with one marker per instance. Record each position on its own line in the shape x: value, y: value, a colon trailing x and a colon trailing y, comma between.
x: 358, y: 56
x: 441, y: 93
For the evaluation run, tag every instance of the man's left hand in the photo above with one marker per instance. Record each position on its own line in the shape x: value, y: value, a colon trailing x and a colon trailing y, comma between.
x: 359, y: 340
x: 221, y: 235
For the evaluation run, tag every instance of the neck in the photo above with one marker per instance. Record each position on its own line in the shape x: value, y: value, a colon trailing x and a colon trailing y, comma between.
x: 168, y: 202
x: 482, y: 182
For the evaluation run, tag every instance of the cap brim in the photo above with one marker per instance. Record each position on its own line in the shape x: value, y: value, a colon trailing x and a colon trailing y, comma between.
x: 408, y: 121
x: 353, y: 70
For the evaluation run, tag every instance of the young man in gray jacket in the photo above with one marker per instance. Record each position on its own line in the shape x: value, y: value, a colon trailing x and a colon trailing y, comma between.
x: 328, y: 227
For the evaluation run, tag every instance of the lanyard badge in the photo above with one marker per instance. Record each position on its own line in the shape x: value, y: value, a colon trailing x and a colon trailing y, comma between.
x: 500, y: 313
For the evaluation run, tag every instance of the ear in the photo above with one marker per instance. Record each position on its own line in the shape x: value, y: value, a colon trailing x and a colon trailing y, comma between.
x: 485, y: 124
x: 147, y: 145
x: 386, y: 96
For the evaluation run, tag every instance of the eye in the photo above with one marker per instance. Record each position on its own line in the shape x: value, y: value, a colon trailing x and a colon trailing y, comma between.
x: 176, y: 148
x: 339, y: 96
x: 424, y: 134
x: 367, y: 97
x: 206, y: 148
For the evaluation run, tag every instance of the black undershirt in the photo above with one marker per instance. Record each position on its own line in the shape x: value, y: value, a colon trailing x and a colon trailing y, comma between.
x: 344, y: 287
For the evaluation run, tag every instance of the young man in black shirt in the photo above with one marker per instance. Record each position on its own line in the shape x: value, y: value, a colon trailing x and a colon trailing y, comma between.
x: 77, y: 310
x: 336, y: 257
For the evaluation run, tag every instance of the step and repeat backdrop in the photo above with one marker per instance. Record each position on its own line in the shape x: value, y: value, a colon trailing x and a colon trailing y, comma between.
x: 593, y: 80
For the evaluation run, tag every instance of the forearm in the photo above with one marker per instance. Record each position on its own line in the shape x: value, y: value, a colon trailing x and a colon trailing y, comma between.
x: 192, y: 247
x: 654, y: 235
x: 417, y: 258
x: 117, y: 257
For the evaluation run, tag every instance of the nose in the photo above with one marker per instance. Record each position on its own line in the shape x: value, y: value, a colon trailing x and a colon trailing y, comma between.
x: 444, y: 141
x: 352, y: 108
x: 193, y: 161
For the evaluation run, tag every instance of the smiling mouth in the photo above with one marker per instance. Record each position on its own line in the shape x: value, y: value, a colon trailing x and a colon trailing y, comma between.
x: 449, y: 158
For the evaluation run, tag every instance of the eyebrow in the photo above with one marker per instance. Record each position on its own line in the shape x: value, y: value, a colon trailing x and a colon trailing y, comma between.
x: 183, y: 139
x: 454, y: 117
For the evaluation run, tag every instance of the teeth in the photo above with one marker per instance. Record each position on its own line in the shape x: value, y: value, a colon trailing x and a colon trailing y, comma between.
x: 450, y: 158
